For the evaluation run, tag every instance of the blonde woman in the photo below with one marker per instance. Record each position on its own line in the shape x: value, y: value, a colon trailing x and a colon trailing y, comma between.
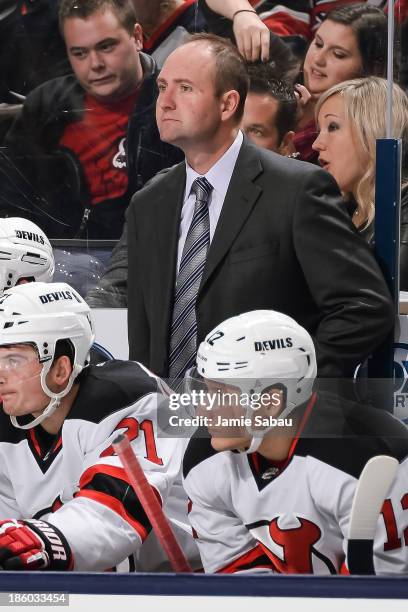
x: 350, y: 118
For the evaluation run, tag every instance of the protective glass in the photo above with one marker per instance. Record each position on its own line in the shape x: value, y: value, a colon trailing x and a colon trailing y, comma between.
x: 19, y: 364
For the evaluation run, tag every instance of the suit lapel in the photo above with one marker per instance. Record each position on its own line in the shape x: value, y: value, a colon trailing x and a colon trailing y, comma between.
x: 168, y: 207
x: 239, y: 201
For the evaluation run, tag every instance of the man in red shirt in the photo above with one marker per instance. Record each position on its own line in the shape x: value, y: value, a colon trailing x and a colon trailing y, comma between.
x: 86, y: 142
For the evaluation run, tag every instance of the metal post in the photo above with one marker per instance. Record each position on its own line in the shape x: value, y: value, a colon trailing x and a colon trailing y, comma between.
x: 387, y: 239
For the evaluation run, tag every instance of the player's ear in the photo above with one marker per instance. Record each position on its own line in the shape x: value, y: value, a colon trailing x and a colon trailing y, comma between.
x: 138, y: 36
x: 229, y: 104
x: 59, y: 373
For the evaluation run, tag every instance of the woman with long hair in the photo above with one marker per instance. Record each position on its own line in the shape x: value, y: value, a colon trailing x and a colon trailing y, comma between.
x: 351, y: 116
x: 350, y: 43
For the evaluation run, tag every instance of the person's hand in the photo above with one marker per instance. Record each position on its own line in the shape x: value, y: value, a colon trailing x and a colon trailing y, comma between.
x: 302, y: 94
x: 303, y: 97
x: 33, y: 545
x: 251, y: 35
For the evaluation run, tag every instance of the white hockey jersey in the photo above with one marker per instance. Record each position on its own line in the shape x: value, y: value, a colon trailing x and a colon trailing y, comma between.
x: 250, y: 514
x: 76, y: 482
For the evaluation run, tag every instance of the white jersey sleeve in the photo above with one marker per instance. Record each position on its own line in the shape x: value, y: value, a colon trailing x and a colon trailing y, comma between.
x: 225, y: 544
x: 8, y: 503
x: 334, y: 498
x: 104, y: 521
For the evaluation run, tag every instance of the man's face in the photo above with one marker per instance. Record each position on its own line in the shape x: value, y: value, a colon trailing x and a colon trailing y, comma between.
x: 104, y: 56
x: 187, y: 111
x: 20, y: 386
x: 230, y: 423
x: 225, y: 419
x: 259, y: 124
x: 259, y: 121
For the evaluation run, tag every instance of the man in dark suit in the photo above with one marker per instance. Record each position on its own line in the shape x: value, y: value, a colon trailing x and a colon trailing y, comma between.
x: 279, y: 234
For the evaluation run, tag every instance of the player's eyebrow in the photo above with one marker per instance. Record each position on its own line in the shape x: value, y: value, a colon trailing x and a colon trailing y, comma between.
x: 106, y: 41
x: 161, y: 80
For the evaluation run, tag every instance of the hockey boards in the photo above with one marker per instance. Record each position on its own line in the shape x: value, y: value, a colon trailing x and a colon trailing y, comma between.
x: 372, y: 487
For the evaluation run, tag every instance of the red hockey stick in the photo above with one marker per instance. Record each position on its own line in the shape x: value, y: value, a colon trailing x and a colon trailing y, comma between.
x: 151, y: 505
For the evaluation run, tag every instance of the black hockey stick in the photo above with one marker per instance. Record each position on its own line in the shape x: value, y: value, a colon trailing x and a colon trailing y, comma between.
x: 373, y: 485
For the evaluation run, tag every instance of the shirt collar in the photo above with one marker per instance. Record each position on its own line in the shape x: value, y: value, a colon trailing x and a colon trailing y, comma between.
x: 219, y: 175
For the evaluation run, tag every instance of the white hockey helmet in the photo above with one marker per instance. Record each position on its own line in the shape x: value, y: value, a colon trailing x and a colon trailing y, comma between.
x: 25, y: 252
x: 40, y: 314
x: 259, y: 350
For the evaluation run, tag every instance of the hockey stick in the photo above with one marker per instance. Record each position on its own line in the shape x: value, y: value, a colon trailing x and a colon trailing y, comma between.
x: 151, y: 505
x: 373, y: 485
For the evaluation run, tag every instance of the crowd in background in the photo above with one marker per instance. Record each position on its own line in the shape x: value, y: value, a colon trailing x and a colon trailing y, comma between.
x: 78, y: 130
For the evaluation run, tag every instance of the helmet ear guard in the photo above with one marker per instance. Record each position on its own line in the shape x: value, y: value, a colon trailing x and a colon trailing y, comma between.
x: 41, y: 314
x: 260, y: 350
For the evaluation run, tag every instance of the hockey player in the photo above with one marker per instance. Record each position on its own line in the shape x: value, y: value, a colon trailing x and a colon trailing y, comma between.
x: 273, y: 485
x: 65, y: 500
x: 25, y: 253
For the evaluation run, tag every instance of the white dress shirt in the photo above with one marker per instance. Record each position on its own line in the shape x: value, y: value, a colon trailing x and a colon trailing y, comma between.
x: 219, y: 176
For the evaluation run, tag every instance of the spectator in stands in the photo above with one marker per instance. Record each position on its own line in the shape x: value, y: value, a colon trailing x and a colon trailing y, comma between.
x: 232, y: 19
x: 296, y: 22
x: 71, y: 143
x: 351, y: 116
x: 270, y: 111
x: 165, y: 23
x: 350, y: 43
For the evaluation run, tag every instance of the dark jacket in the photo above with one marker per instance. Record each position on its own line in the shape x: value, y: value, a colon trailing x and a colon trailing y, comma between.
x: 368, y: 234
x: 283, y: 241
x: 47, y: 182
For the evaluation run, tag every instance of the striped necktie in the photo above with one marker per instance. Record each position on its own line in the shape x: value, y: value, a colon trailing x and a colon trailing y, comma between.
x: 183, y: 339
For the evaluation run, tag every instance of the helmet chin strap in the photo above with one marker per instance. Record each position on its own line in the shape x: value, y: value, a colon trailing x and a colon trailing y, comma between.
x: 55, y: 398
x: 48, y: 411
x: 253, y: 447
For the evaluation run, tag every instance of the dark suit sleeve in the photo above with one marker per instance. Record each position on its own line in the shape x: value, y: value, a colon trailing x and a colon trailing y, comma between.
x: 138, y: 324
x: 343, y: 277
x: 111, y: 291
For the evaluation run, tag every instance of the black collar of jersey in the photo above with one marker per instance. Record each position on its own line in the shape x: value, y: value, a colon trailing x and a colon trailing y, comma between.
x: 45, y: 447
x: 265, y: 471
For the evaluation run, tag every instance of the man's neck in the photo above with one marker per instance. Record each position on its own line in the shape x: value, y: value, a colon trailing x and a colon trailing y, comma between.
x: 277, y: 447
x: 203, y: 158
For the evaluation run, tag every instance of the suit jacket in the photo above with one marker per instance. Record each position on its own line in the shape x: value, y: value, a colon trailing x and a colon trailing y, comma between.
x: 284, y: 241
